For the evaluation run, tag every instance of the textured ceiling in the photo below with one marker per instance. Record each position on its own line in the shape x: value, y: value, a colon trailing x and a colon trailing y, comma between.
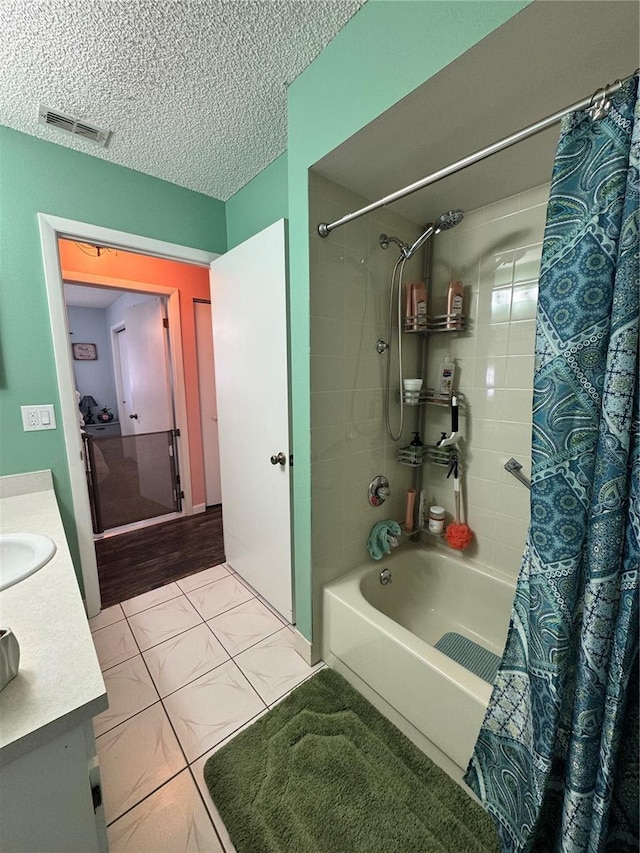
x: 194, y: 91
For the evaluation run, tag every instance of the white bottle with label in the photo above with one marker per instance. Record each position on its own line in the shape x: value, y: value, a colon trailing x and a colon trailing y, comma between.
x: 447, y: 371
x: 454, y: 304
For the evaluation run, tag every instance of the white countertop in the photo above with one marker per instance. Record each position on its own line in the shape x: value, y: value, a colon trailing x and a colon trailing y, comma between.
x: 59, y: 682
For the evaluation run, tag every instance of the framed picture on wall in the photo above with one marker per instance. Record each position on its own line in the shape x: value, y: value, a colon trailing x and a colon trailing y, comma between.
x: 85, y: 352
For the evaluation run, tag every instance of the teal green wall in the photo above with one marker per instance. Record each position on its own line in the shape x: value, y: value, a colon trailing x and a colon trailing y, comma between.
x: 260, y: 203
x: 37, y: 176
x: 387, y: 49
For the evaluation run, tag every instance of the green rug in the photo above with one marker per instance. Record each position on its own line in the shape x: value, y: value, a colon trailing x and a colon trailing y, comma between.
x: 325, y: 772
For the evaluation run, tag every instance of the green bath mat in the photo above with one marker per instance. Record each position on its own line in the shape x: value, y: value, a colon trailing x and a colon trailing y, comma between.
x: 324, y: 772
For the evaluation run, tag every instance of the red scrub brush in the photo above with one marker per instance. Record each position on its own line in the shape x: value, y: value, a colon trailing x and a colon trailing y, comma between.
x: 458, y: 534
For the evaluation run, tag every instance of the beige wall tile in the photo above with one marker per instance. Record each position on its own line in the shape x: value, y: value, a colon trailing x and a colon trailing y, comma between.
x: 495, y: 251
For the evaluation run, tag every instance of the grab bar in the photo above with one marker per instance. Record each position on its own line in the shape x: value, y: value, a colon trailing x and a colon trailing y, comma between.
x: 514, y: 467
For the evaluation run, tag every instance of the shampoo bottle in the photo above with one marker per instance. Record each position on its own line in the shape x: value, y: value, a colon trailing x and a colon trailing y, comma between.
x: 447, y: 370
x: 408, y: 307
x: 419, y: 304
x: 454, y: 304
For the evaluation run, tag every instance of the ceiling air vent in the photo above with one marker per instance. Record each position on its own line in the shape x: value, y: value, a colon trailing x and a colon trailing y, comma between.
x: 73, y: 125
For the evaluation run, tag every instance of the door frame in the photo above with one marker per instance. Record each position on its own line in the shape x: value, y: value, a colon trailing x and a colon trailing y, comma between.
x: 52, y: 228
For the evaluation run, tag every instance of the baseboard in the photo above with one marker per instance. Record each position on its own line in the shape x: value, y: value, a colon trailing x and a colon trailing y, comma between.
x: 196, y: 508
x: 309, y: 652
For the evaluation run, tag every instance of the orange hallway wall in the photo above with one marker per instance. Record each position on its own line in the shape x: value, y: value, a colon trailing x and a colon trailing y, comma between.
x: 192, y: 283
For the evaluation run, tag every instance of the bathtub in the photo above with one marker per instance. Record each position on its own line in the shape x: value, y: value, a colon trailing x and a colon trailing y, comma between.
x: 385, y: 636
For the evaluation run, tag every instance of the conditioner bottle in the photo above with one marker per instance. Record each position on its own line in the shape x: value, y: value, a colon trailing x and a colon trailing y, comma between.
x: 454, y: 304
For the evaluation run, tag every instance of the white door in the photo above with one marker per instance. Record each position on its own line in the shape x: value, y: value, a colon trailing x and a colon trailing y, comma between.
x: 148, y: 368
x: 249, y: 306
x: 208, y: 407
x: 147, y: 365
x: 123, y: 383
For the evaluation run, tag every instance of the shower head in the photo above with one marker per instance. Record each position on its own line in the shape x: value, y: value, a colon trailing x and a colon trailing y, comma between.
x: 448, y: 220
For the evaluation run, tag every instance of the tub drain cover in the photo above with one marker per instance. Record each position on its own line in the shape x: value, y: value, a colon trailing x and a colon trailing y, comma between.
x: 470, y: 655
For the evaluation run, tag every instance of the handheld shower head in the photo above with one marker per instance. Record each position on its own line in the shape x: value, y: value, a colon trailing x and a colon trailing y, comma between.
x: 443, y: 223
x: 449, y: 220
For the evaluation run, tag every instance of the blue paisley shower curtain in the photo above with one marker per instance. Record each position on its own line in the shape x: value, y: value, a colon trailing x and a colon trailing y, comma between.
x: 556, y: 761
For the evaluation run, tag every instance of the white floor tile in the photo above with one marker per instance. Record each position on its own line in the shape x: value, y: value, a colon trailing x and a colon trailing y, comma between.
x: 151, y: 802
x: 274, y: 667
x: 163, y: 621
x: 130, y: 690
x: 106, y: 617
x: 135, y: 758
x: 244, y: 626
x: 215, y: 573
x: 150, y: 599
x: 182, y: 659
x: 209, y: 709
x: 114, y: 644
x: 261, y: 598
x: 172, y: 820
x: 216, y: 597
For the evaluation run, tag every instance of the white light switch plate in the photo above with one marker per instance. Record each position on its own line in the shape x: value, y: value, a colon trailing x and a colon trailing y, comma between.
x: 38, y: 417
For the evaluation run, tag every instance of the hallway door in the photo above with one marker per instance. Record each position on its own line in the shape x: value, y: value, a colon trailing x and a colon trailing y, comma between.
x: 148, y: 366
x: 208, y: 405
x: 249, y: 306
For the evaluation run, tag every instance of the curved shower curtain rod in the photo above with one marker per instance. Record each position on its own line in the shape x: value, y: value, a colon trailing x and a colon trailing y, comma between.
x: 598, y: 104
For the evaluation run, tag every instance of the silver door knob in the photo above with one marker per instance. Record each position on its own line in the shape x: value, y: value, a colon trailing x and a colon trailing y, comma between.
x: 134, y: 416
x: 280, y: 459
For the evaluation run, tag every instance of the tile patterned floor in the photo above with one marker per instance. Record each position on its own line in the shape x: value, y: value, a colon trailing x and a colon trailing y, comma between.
x: 186, y: 667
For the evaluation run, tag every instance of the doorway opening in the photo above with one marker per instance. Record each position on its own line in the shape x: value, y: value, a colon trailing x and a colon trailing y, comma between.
x: 124, y: 383
x: 94, y: 246
x: 126, y: 387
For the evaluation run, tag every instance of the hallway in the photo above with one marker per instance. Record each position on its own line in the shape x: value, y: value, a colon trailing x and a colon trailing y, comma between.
x: 134, y: 563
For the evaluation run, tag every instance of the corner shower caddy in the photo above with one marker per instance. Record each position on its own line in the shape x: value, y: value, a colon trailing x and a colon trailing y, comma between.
x: 432, y: 397
x: 435, y: 455
x: 430, y: 324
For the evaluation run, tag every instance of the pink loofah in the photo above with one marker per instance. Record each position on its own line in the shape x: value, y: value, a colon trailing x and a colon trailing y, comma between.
x: 458, y: 536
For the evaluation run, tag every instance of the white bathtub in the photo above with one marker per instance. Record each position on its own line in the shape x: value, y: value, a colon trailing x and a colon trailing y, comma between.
x: 385, y: 635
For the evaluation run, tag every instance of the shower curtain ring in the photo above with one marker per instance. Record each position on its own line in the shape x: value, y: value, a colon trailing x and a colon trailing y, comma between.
x: 599, y: 105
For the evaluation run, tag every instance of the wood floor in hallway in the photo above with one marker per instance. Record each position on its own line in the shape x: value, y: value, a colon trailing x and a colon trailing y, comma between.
x: 142, y: 560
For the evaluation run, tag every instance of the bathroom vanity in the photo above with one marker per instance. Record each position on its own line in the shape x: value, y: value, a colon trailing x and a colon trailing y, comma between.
x: 49, y: 776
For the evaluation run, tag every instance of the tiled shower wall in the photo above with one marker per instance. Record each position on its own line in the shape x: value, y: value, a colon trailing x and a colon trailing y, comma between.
x: 495, y: 251
x: 350, y: 277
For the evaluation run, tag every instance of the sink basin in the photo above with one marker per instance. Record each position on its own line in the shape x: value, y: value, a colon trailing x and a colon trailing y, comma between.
x: 22, y: 554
